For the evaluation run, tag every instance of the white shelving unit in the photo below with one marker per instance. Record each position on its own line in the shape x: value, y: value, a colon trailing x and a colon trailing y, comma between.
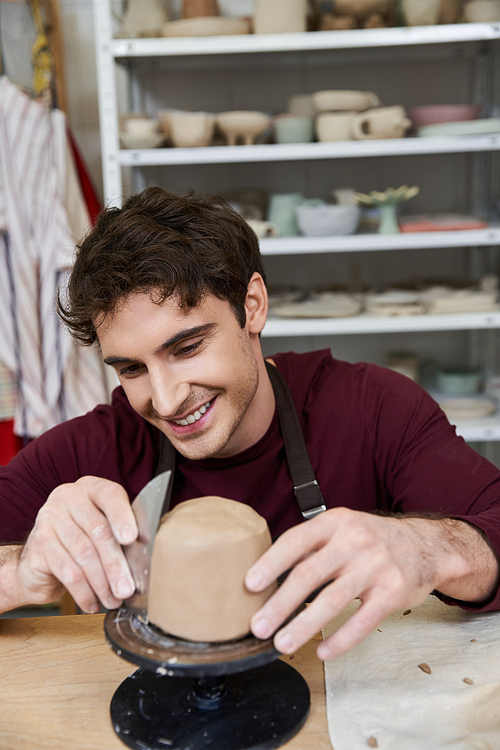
x: 193, y: 53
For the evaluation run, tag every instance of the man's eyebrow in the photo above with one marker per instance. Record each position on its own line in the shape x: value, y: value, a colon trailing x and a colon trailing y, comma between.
x: 186, y: 334
x: 180, y: 336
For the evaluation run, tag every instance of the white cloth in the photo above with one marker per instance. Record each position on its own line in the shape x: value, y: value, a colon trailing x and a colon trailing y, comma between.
x: 54, y: 381
x: 377, y: 689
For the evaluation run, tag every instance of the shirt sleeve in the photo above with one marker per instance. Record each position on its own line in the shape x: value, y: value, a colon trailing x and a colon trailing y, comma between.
x: 110, y: 442
x: 427, y: 467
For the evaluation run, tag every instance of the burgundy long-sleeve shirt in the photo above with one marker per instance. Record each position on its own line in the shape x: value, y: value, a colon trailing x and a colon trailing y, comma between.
x: 376, y: 440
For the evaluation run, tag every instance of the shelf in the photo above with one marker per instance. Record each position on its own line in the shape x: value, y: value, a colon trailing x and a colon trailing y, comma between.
x: 473, y: 430
x: 269, y: 152
x: 318, y: 40
x: 479, y: 430
x: 376, y: 242
x: 365, y: 323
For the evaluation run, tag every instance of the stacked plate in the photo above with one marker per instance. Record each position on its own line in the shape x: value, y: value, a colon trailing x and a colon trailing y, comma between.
x: 322, y: 305
x: 394, y: 302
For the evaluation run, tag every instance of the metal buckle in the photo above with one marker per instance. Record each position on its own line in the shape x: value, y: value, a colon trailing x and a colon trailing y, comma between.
x: 311, y: 512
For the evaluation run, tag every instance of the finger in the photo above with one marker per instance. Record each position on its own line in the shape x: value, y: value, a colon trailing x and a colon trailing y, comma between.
x: 327, y: 605
x: 113, y: 501
x: 55, y: 569
x: 315, y: 570
x: 370, y: 614
x: 291, y: 547
x: 91, y: 542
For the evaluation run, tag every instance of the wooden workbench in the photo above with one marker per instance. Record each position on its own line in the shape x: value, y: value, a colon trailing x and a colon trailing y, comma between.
x: 58, y: 675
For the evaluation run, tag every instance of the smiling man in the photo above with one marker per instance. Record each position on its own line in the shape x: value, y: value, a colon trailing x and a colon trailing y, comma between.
x: 172, y: 290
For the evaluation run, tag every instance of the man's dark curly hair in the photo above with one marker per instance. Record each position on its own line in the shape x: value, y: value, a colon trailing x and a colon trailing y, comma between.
x: 164, y: 245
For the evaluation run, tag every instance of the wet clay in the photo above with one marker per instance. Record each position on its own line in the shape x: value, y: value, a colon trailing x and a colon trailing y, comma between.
x: 201, y: 554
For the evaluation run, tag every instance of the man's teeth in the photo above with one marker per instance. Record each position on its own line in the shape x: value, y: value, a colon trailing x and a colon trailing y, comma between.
x: 193, y: 417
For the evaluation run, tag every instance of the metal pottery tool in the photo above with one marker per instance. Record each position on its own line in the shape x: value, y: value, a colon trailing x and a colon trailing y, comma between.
x: 186, y: 695
x: 147, y: 507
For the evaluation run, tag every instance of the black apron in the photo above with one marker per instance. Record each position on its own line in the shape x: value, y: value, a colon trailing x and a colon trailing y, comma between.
x: 305, y: 486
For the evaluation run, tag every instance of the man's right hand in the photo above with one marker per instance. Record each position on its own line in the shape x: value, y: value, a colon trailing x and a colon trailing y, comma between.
x: 75, y: 545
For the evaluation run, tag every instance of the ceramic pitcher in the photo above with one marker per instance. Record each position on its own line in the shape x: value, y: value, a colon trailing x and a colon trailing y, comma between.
x: 279, y: 16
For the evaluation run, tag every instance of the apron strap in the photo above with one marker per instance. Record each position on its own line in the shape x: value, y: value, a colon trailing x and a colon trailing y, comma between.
x: 305, y: 486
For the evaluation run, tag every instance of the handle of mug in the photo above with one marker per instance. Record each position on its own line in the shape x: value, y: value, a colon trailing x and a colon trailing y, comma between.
x: 356, y: 128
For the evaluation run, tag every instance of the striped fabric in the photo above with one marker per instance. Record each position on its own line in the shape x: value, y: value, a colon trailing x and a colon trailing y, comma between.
x: 55, y: 379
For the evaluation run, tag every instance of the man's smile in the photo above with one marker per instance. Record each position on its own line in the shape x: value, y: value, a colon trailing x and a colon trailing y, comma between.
x: 195, y: 415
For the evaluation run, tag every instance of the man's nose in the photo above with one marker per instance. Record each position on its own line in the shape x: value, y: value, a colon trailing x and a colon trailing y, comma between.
x: 168, y: 393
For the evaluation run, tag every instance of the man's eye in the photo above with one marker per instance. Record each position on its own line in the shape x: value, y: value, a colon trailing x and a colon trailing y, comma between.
x: 190, y: 348
x: 130, y: 370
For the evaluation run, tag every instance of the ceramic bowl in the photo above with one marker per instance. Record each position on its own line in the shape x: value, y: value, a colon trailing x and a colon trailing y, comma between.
x: 325, y: 220
x: 437, y: 113
x: 191, y: 129
x: 207, y: 26
x: 151, y: 140
x: 357, y: 101
x: 241, y: 125
x: 482, y: 11
x: 458, y: 381
x: 140, y: 126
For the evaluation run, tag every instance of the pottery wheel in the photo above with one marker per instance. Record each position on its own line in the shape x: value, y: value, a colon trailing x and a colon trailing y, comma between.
x: 234, y: 695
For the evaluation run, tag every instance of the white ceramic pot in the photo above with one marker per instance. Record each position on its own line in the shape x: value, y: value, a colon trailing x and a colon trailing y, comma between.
x: 334, y: 126
x: 279, y: 16
x: 189, y: 129
x: 421, y: 12
x: 482, y: 11
x: 140, y: 126
x: 240, y: 125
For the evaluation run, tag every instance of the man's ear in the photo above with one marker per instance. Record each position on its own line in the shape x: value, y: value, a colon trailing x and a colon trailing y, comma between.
x: 256, y: 304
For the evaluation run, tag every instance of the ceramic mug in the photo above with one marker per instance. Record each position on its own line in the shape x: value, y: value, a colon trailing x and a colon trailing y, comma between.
x: 383, y: 122
x: 293, y: 129
x: 334, y: 126
x: 280, y: 16
x: 421, y: 12
x: 281, y: 212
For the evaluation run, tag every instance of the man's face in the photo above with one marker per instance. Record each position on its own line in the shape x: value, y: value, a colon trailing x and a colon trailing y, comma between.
x: 193, y: 374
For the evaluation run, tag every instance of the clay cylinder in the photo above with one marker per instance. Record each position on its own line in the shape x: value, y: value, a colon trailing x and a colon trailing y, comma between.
x: 202, y: 551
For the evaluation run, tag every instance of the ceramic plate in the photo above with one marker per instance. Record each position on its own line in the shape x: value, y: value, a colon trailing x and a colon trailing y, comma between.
x: 395, y: 297
x: 327, y: 306
x: 467, y: 408
x: 467, y: 127
x: 144, y: 141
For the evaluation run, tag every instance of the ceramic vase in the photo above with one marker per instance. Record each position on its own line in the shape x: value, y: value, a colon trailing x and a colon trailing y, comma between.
x: 388, y: 219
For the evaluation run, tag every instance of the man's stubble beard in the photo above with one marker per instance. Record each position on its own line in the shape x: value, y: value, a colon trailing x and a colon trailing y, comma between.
x: 191, y: 446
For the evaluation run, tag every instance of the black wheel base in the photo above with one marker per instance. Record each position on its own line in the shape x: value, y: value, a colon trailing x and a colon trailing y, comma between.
x: 261, y: 708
